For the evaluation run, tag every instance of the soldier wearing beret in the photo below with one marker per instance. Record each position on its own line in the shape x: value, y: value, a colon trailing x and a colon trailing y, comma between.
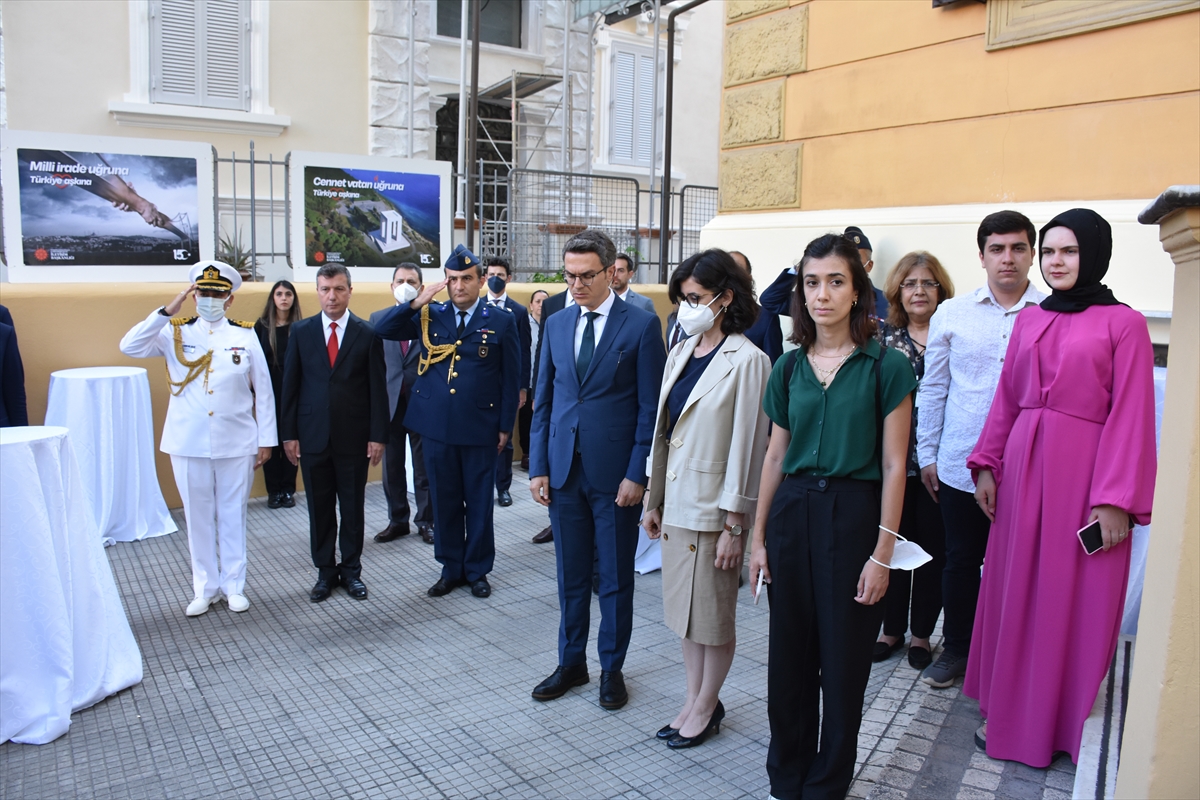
x: 463, y: 405
x: 220, y: 424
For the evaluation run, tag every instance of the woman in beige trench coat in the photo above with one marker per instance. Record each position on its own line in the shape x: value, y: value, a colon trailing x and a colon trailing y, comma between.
x: 705, y: 461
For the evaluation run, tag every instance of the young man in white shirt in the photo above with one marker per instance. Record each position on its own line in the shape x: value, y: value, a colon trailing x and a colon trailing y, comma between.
x: 968, y: 338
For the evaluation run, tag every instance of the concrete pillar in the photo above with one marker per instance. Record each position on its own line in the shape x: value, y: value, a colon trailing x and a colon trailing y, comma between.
x: 1162, y: 727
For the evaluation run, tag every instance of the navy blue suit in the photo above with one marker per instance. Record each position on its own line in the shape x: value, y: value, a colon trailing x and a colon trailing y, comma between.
x: 459, y: 407
x: 766, y: 334
x: 12, y: 378
x: 520, y: 314
x: 588, y: 436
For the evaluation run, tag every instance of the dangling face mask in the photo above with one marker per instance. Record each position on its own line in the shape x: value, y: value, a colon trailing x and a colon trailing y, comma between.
x: 696, y: 320
x: 405, y: 293
x: 906, y: 555
x: 211, y: 309
x: 497, y: 284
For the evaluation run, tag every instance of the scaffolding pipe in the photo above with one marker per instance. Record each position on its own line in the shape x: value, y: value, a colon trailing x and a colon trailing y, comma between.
x: 253, y: 235
x: 668, y: 106
x: 412, y: 71
x: 462, y: 110
x: 473, y: 123
x: 654, y: 130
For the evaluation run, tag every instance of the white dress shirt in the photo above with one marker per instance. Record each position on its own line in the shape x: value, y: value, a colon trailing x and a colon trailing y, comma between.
x: 968, y: 339
x: 598, y: 324
x: 535, y: 333
x: 341, y: 327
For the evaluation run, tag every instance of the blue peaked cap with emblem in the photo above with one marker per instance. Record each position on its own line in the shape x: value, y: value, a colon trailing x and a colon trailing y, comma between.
x: 461, y: 259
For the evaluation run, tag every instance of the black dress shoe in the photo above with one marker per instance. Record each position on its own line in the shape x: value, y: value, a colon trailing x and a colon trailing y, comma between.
x: 273, y: 501
x: 919, y: 657
x: 504, y: 499
x: 547, y: 535
x: 561, y: 680
x: 481, y: 588
x: 525, y: 463
x: 321, y: 590
x: 391, y: 532
x: 678, y: 742
x: 883, y: 651
x: 443, y: 587
x: 665, y: 732
x: 287, y: 500
x: 426, y: 532
x: 612, y: 690
x: 355, y: 588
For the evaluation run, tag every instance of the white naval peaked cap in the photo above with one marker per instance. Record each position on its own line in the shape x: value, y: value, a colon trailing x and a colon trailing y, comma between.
x: 215, y: 275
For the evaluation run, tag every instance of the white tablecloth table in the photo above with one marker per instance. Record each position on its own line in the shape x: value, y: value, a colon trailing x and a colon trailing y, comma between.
x: 65, y: 642
x: 107, y: 410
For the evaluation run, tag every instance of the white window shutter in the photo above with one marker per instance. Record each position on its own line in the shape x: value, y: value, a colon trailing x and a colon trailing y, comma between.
x: 200, y: 53
x: 645, y: 108
x: 625, y: 90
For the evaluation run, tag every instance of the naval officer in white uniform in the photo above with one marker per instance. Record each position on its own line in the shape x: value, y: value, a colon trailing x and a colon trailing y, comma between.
x: 220, y: 424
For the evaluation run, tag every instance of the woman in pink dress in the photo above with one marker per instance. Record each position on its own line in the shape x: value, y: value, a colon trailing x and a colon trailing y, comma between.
x: 1069, y: 439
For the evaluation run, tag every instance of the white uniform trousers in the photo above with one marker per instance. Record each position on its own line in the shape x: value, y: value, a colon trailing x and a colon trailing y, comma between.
x: 214, y: 493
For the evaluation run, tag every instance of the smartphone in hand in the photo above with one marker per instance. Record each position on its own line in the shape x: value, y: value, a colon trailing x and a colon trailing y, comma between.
x: 1091, y: 538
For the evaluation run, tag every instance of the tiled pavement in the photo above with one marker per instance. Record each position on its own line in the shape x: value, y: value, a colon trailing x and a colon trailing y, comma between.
x: 407, y: 696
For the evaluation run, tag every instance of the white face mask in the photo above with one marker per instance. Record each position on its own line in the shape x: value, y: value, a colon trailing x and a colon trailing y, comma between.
x: 908, y: 555
x: 695, y: 321
x: 211, y: 309
x: 404, y: 293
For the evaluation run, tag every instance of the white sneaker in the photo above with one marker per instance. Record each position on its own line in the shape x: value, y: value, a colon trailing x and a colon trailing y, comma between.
x: 199, y: 606
x: 237, y: 602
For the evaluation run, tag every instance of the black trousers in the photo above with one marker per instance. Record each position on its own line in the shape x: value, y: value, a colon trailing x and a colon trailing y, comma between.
x: 332, y: 483
x: 525, y: 421
x: 967, y: 530
x: 921, y: 522
x: 278, y: 473
x: 820, y: 534
x: 395, y: 474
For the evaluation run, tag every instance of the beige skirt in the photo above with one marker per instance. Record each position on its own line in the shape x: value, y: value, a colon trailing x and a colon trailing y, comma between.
x: 699, y: 600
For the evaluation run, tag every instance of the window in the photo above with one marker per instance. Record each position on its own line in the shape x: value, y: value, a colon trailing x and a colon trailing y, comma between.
x: 632, y: 117
x: 500, y: 22
x: 200, y: 53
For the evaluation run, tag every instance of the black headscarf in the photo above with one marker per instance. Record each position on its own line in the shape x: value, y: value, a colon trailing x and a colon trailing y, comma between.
x: 1094, y: 235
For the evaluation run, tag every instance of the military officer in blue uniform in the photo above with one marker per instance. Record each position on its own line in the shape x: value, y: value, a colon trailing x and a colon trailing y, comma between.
x: 463, y: 405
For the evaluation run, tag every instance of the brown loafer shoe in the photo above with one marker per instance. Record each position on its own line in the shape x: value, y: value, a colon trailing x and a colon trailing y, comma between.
x: 547, y: 535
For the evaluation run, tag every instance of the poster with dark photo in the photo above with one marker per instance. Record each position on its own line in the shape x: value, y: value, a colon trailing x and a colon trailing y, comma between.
x: 81, y: 208
x: 371, y: 218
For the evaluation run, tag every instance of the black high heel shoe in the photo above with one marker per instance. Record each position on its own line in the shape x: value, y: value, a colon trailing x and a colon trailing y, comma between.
x: 666, y: 731
x: 678, y: 742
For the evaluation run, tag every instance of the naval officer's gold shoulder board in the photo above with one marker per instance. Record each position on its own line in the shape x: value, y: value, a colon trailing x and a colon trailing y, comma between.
x: 241, y: 323
x: 177, y: 321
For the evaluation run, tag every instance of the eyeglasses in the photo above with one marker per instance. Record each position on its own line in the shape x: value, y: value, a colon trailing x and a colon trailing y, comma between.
x: 585, y: 280
x: 697, y: 300
x: 910, y: 286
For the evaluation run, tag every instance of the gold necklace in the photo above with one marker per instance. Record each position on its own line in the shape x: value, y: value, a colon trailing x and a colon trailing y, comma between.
x: 823, y: 375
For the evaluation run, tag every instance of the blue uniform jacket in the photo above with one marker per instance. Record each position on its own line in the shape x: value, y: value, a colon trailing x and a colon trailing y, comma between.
x: 466, y: 400
x: 611, y: 412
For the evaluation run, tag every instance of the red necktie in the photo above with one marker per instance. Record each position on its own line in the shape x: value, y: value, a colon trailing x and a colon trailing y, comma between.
x: 404, y: 348
x: 332, y: 345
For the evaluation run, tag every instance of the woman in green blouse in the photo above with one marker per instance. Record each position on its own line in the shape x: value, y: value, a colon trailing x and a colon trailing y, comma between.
x: 832, y: 490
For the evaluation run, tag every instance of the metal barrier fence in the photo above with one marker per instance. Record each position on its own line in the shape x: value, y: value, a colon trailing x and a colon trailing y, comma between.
x: 545, y: 209
x: 252, y: 227
x: 697, y: 206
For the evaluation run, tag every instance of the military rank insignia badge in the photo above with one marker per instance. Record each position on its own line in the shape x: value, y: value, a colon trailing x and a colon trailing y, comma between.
x: 237, y: 358
x: 483, y: 351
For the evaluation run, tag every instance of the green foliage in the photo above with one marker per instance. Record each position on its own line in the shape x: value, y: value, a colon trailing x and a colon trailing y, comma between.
x: 542, y: 277
x: 231, y: 251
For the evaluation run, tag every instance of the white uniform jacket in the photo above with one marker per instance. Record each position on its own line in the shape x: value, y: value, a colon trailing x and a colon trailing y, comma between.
x: 713, y: 462
x: 225, y: 412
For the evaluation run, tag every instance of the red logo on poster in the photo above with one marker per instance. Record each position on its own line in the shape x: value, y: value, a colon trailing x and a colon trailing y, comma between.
x: 40, y: 254
x: 319, y: 257
x: 60, y: 180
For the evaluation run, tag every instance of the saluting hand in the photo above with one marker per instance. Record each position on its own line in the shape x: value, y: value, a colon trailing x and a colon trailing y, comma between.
x: 172, y: 308
x: 427, y: 294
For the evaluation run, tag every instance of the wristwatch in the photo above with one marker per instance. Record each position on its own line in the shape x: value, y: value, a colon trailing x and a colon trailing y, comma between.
x: 734, y: 530
x: 163, y: 311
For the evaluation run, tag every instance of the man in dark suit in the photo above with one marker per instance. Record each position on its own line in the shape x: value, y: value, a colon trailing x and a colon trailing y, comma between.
x: 401, y: 360
x: 463, y: 405
x: 498, y: 275
x: 12, y: 375
x: 765, y: 332
x: 597, y: 391
x: 335, y: 423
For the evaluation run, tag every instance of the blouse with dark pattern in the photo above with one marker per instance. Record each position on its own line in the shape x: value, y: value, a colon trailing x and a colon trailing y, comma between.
x: 898, y: 339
